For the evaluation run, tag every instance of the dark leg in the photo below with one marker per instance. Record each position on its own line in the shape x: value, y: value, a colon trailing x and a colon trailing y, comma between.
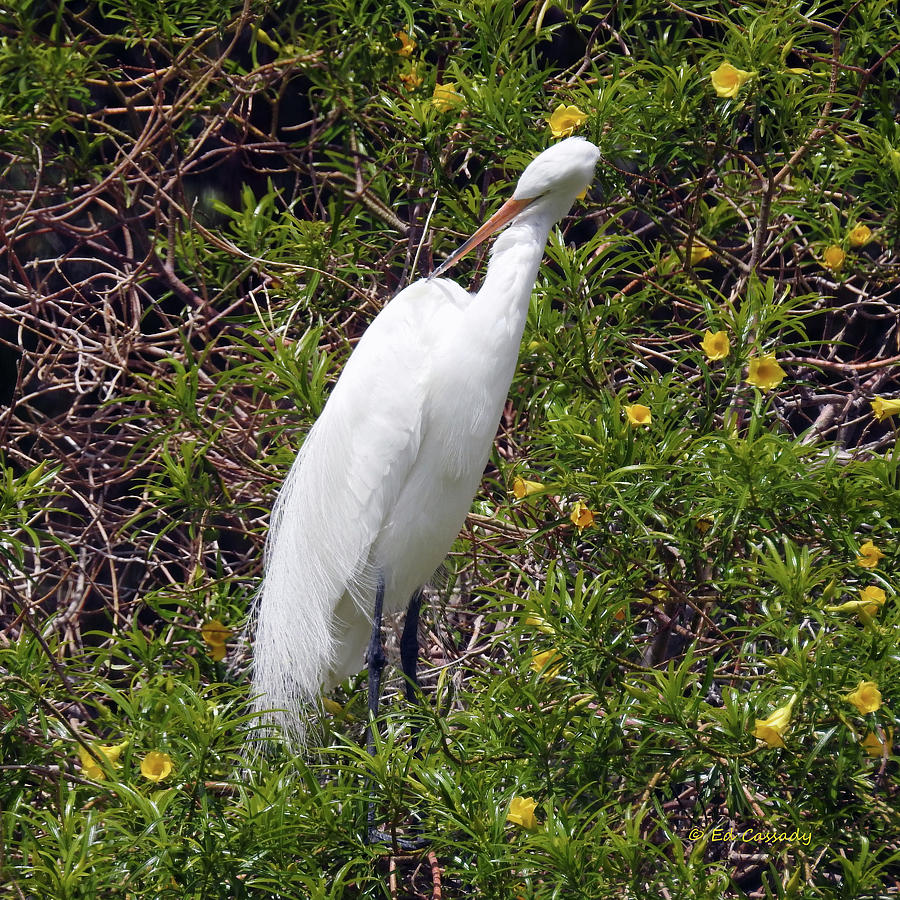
x: 409, y: 647
x: 376, y: 659
x: 409, y: 650
x: 409, y: 657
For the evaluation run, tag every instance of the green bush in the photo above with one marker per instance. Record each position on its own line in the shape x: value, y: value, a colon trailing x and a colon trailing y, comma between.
x: 665, y: 594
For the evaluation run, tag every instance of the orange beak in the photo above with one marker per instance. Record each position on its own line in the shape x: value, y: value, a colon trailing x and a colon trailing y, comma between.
x: 508, y: 211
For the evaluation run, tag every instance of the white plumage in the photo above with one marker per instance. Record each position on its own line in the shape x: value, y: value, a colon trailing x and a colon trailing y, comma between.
x: 387, y: 474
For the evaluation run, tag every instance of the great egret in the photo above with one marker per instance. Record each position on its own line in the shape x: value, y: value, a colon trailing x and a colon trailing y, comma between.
x: 383, y: 482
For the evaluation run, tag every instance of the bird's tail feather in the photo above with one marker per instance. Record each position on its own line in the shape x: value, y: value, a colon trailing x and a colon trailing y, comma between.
x: 312, y: 558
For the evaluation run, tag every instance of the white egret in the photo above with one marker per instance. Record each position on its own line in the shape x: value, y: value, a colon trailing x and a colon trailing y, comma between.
x: 383, y: 482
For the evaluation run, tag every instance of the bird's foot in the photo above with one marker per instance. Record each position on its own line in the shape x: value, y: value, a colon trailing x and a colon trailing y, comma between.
x: 405, y: 844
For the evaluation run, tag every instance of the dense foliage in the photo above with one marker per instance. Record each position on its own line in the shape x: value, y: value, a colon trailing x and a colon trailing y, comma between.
x: 672, y: 618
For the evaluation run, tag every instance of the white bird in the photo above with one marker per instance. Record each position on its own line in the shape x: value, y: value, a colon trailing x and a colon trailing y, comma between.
x: 383, y: 482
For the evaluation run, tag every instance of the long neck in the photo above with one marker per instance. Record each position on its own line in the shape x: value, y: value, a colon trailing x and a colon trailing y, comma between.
x: 512, y: 271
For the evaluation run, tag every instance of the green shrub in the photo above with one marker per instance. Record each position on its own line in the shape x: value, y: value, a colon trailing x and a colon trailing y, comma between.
x: 203, y: 206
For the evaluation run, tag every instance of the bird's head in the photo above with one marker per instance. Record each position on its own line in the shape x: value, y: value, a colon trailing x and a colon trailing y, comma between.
x: 566, y: 169
x: 551, y: 182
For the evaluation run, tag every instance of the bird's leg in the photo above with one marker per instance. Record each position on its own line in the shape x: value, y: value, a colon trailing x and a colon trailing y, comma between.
x: 409, y: 655
x: 409, y: 647
x: 376, y: 659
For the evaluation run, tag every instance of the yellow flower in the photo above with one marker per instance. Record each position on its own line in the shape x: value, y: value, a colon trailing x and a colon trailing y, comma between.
x: 411, y: 78
x: 521, y: 812
x: 871, y: 599
x: 565, y: 119
x: 536, y: 621
x: 715, y: 344
x: 216, y: 634
x: 109, y: 752
x: 866, y: 698
x: 833, y: 258
x: 860, y: 235
x: 638, y: 415
x: 542, y: 663
x: 407, y: 44
x: 875, y: 746
x: 727, y: 80
x: 156, y: 765
x: 699, y: 252
x: 765, y: 373
x: 869, y: 555
x: 522, y: 488
x: 873, y: 595
x: 772, y: 728
x: 90, y: 768
x: 883, y: 408
x: 581, y: 516
x: 445, y: 97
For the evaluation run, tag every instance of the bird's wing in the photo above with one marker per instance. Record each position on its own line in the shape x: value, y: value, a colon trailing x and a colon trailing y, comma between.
x: 340, y: 490
x: 366, y: 440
